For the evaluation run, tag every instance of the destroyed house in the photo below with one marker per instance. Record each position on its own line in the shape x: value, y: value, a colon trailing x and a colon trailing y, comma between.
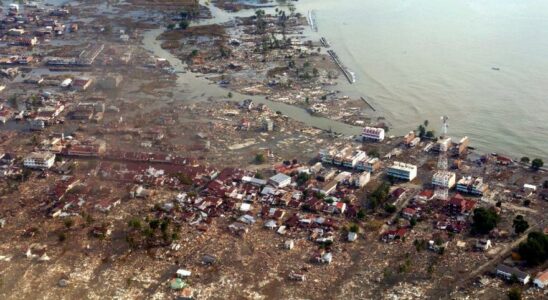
x: 393, y: 235
x: 460, y: 206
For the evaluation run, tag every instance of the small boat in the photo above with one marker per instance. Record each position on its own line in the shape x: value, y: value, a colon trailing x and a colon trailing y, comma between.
x: 495, y: 69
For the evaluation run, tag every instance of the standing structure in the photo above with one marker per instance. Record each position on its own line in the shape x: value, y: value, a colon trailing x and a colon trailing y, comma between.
x: 442, y: 191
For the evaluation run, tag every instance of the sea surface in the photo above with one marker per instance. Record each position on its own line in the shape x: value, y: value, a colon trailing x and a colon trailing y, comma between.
x: 483, y: 63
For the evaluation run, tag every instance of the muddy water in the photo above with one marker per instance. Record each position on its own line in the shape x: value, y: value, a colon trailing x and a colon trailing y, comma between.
x: 195, y: 88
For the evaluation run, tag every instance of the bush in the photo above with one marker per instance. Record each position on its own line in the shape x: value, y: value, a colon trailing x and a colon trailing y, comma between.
x: 154, y: 224
x: 525, y: 160
x: 514, y: 294
x: 68, y: 223
x: 260, y: 159
x: 184, y: 179
x: 361, y: 214
x: 62, y: 237
x: 134, y: 223
x: 354, y: 228
x: 184, y: 24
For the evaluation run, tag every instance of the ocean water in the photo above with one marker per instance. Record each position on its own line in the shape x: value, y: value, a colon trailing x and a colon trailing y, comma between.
x: 483, y: 63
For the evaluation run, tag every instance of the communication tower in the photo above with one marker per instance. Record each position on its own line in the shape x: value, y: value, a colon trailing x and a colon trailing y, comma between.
x: 442, y: 192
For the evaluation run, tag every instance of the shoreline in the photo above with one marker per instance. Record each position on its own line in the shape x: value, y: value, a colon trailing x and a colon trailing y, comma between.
x: 268, y: 97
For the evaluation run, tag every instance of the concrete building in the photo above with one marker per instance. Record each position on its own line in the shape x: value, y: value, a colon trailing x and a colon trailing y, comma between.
x: 361, y: 179
x: 508, y: 273
x: 268, y: 124
x: 39, y: 160
x: 472, y: 185
x: 351, y: 160
x: 462, y: 146
x: 443, y: 145
x: 373, y: 133
x: 280, y: 180
x: 327, y: 155
x: 408, y: 138
x: 402, y: 171
x: 341, y: 155
x: 444, y: 179
x: 368, y: 164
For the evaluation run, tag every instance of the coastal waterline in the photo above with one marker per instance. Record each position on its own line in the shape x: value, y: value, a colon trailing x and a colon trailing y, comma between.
x: 404, y: 78
x: 191, y: 87
x: 481, y: 62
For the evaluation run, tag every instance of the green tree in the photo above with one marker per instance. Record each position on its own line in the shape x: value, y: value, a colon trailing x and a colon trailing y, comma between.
x: 425, y: 123
x: 514, y: 294
x: 153, y: 224
x: 302, y: 178
x: 525, y: 160
x: 171, y: 26
x: 379, y: 195
x: 421, y: 131
x: 164, y: 226
x: 230, y: 95
x: 537, y: 163
x: 520, y: 225
x: 535, y: 250
x: 390, y: 208
x: 484, y: 220
x: 184, y: 24
x: 413, y: 222
x: 260, y: 159
x: 430, y: 134
x: 545, y: 184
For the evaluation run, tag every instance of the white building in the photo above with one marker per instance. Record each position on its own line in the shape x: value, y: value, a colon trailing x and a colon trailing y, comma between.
x: 402, y: 171
x: 508, y: 273
x: 472, y: 185
x: 39, y: 160
x: 373, y: 133
x: 361, y: 179
x: 443, y: 144
x: 369, y: 164
x: 341, y: 155
x: 327, y: 155
x: 280, y: 180
x: 444, y: 179
x: 351, y: 160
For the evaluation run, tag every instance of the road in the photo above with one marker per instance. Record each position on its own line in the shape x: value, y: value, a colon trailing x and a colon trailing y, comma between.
x: 495, y: 260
